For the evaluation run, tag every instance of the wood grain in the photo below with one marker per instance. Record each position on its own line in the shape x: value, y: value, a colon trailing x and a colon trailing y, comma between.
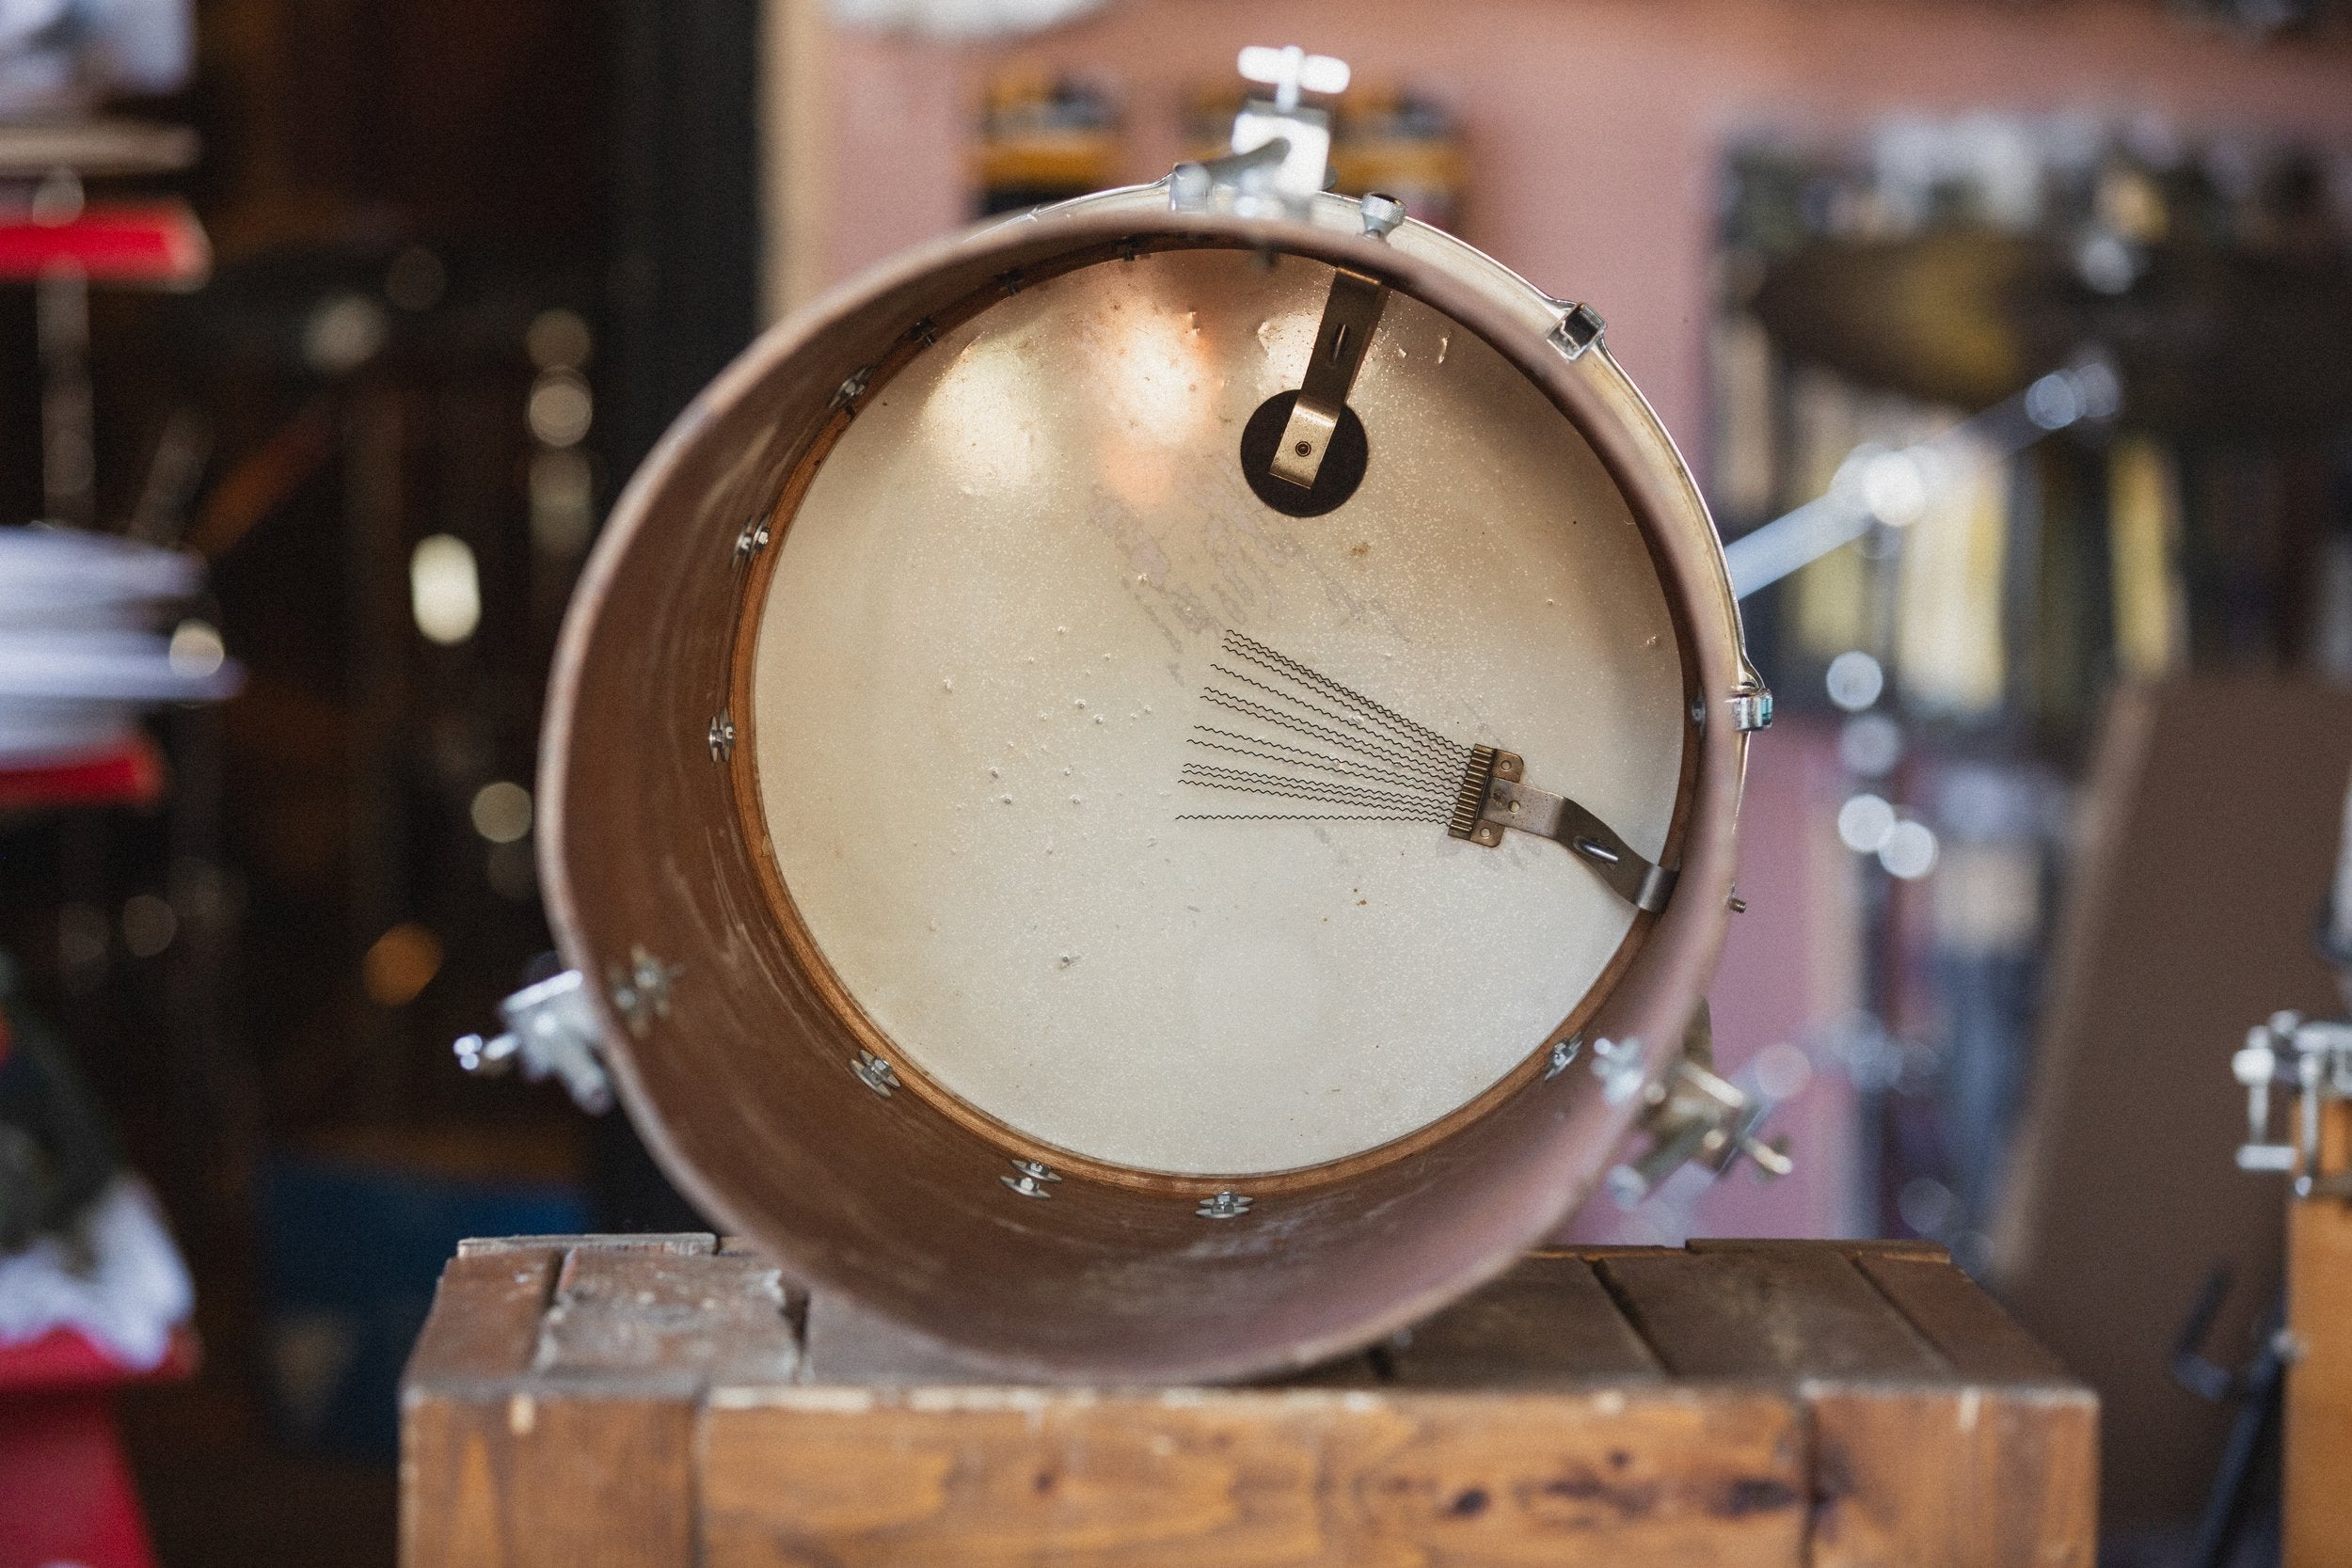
x: 982, y: 1478
x: 1954, y: 1478
x: 2318, y: 1500
x: 1753, y: 1312
x: 600, y: 1403
x: 548, y: 1412
x: 1547, y: 1321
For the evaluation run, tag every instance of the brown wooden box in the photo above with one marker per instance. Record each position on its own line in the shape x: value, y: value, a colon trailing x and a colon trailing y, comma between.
x: 584, y: 1401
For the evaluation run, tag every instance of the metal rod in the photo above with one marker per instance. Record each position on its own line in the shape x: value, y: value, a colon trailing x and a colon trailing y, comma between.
x: 1897, y: 486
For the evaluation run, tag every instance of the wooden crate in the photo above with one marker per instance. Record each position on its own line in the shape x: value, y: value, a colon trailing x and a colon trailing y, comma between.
x: 624, y: 1401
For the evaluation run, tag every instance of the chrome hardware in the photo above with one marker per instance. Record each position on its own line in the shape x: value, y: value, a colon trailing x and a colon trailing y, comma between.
x: 1224, y: 1206
x: 722, y: 736
x: 1752, y: 710
x: 1618, y: 1065
x: 641, y: 992
x: 1562, y: 1053
x: 2312, y: 1057
x: 1382, y: 214
x: 1695, y: 1114
x: 552, y: 1031
x: 1281, y: 149
x: 1580, y: 327
x: 1030, y: 1182
x: 753, y: 539
x: 875, y: 1073
x: 852, y: 389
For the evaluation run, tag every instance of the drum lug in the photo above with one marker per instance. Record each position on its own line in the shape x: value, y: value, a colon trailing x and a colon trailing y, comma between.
x: 722, y: 736
x: 552, y: 1032
x: 1224, y: 1206
x: 641, y: 993
x: 852, y: 389
x: 875, y: 1072
x: 1031, y: 1180
x: 1581, y: 328
x: 753, y: 539
x: 1564, y: 1051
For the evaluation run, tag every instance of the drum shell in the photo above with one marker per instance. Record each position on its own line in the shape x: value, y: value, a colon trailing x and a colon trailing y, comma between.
x: 734, y: 1064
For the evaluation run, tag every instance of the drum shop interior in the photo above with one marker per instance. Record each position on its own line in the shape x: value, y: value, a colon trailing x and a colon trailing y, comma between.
x: 773, y: 780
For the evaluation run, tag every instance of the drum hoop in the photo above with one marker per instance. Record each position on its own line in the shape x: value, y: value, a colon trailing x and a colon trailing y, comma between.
x: 871, y: 1036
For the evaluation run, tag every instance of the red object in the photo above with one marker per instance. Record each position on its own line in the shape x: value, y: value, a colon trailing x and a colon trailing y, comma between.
x: 66, y: 1490
x: 130, y: 774
x: 156, y: 243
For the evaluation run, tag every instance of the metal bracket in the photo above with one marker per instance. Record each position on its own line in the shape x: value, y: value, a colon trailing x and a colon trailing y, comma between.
x: 1351, y: 312
x: 552, y: 1031
x: 1580, y: 327
x: 753, y: 539
x: 1562, y: 1053
x: 1224, y: 1206
x: 641, y: 991
x: 1282, y: 153
x: 722, y: 736
x: 1030, y: 1183
x: 875, y: 1072
x: 2314, y: 1058
x: 1751, y: 709
x: 1493, y: 797
x: 1696, y: 1115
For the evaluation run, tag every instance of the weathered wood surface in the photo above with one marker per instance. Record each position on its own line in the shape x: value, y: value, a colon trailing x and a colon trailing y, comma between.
x: 668, y: 1401
x: 2317, y: 1515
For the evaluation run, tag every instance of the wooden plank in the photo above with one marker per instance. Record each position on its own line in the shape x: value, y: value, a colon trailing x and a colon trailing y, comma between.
x: 478, y: 1342
x: 485, y: 1323
x: 1547, y: 1321
x: 658, y: 1325
x: 566, y: 1435
x: 685, y: 1243
x: 1967, y: 1327
x: 1929, y: 1252
x: 1767, y: 1312
x: 1954, y: 1478
x: 993, y: 1478
x: 2317, y: 1514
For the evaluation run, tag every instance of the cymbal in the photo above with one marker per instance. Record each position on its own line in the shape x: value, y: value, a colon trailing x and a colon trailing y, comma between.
x: 2204, y: 339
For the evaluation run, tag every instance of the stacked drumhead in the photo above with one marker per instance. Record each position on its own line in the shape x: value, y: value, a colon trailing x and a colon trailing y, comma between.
x: 88, y: 636
x: 1047, y: 880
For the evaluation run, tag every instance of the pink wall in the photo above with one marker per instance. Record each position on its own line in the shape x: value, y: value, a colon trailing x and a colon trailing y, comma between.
x: 1594, y: 124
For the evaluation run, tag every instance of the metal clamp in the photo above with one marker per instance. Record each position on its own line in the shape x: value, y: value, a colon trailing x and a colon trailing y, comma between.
x: 1694, y: 1114
x: 2314, y: 1058
x: 552, y: 1030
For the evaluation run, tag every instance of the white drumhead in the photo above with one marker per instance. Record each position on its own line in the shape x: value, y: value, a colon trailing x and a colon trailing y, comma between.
x: 980, y: 667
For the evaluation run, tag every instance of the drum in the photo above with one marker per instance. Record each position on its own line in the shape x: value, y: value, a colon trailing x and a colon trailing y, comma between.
x: 1143, y: 789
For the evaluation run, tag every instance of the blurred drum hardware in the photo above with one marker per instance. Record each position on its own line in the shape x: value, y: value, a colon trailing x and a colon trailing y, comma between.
x: 1029, y: 778
x: 2307, y: 1063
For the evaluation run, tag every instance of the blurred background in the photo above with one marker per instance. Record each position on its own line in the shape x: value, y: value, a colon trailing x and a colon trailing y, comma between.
x: 370, y: 307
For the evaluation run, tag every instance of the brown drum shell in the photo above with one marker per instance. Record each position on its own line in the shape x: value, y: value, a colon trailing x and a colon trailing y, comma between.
x: 737, y: 1071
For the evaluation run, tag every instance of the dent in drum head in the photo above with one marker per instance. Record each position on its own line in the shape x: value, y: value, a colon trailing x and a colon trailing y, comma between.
x: 979, y: 677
